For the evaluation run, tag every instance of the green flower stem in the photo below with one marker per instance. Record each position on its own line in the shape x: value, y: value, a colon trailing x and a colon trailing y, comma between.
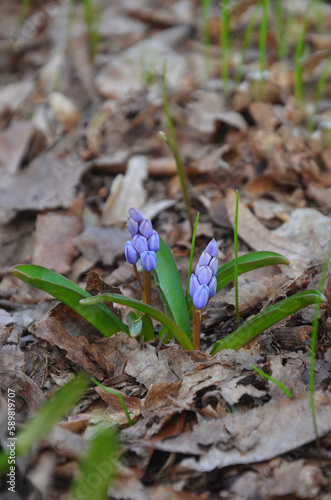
x: 196, y: 328
x: 138, y: 277
x: 147, y: 288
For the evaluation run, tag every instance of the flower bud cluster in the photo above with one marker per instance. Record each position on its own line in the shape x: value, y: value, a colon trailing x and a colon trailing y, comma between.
x: 203, y: 281
x: 145, y: 241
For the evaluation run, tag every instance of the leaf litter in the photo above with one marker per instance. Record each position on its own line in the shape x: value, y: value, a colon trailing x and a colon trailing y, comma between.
x: 75, y: 154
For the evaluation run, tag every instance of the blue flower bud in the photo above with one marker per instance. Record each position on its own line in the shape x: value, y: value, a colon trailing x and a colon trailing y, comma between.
x: 132, y: 226
x: 135, y: 214
x: 194, y: 283
x: 140, y: 243
x: 154, y: 242
x: 212, y: 286
x: 131, y: 253
x: 204, y: 275
x: 204, y: 258
x: 212, y: 248
x: 148, y: 260
x: 146, y: 228
x: 201, y: 296
x: 213, y: 264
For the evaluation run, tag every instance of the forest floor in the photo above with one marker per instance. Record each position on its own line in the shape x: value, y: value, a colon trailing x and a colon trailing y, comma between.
x: 79, y: 146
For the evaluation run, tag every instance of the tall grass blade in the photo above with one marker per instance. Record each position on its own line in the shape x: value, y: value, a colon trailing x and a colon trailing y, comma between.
x: 191, y: 254
x: 313, y: 348
x: 275, y: 381
x: 47, y: 416
x: 225, y: 45
x: 236, y: 258
x: 120, y: 397
x: 173, y: 145
x: 98, y: 468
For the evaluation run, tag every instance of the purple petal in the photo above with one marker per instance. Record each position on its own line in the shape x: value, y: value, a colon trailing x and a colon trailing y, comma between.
x: 146, y: 228
x: 132, y: 226
x: 212, y: 248
x: 194, y: 283
x: 154, y: 242
x: 148, y: 260
x: 204, y: 275
x: 213, y: 264
x: 131, y: 253
x: 212, y: 286
x: 140, y: 243
x: 135, y: 214
x: 201, y: 296
x: 204, y: 258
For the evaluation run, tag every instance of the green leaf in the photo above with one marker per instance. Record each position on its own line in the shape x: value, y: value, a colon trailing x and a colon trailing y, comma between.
x: 70, y: 294
x: 170, y: 288
x: 135, y: 324
x: 168, y: 322
x: 98, y: 468
x: 267, y: 318
x: 147, y: 328
x: 48, y: 415
x: 246, y: 263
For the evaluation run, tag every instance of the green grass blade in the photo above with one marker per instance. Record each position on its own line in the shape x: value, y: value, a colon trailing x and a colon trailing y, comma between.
x: 191, y: 255
x: 70, y: 294
x: 236, y: 258
x: 168, y: 322
x: 48, y: 415
x: 97, y: 468
x: 169, y: 285
x: 120, y: 397
x: 275, y: 381
x: 173, y: 145
x: 249, y: 330
x: 313, y: 348
x: 225, y: 44
x: 246, y: 263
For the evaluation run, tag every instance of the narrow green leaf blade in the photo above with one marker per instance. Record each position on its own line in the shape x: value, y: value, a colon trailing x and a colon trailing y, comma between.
x: 246, y: 263
x: 70, y: 294
x: 252, y: 328
x: 169, y: 285
x: 97, y: 468
x: 48, y: 415
x: 168, y: 322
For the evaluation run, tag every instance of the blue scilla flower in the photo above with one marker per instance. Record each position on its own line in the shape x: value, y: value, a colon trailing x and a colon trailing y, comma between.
x: 145, y: 241
x: 203, y: 282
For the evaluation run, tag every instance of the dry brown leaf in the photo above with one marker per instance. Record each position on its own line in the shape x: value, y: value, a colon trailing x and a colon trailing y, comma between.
x: 62, y: 327
x: 260, y: 434
x: 129, y: 192
x: 47, y: 183
x: 100, y: 244
x: 14, y: 143
x: 260, y: 238
x: 66, y: 112
x: 53, y: 240
x: 263, y: 115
